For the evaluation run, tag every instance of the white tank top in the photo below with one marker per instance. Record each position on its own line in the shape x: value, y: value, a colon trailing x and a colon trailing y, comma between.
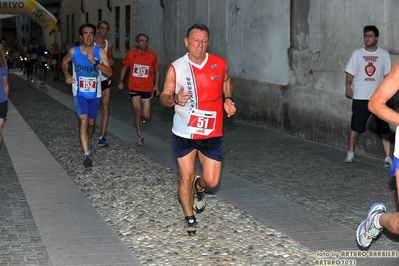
x: 104, y: 77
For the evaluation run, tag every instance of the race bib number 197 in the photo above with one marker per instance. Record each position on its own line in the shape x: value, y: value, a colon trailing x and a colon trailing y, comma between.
x: 201, y: 122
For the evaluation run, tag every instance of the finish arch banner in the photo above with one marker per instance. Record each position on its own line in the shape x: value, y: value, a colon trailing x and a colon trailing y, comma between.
x: 31, y: 8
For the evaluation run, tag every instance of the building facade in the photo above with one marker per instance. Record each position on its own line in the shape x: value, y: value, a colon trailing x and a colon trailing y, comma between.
x: 286, y: 57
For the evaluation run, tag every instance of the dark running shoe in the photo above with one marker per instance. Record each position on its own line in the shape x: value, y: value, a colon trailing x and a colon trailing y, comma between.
x: 199, y: 197
x: 87, y: 162
x: 90, y: 147
x: 190, y: 225
x: 102, y: 142
x: 140, y: 142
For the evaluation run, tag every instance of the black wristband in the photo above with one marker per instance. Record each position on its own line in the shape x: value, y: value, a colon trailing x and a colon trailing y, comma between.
x: 174, y: 99
x: 231, y: 98
x: 96, y: 63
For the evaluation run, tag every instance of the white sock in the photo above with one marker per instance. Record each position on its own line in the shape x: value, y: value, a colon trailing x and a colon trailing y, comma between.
x: 377, y: 221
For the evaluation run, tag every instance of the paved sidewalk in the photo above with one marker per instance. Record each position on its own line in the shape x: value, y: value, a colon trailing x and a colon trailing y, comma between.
x: 71, y: 229
x: 301, y: 189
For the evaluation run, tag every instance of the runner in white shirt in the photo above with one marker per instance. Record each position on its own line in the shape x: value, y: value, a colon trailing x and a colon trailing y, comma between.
x: 106, y: 82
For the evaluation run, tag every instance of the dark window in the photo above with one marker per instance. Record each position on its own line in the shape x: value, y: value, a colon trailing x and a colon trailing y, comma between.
x: 68, y: 40
x: 127, y: 28
x: 117, y: 27
x: 73, y: 29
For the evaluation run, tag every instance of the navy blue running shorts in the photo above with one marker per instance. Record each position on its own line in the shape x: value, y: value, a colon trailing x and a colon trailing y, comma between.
x: 212, y: 148
x: 360, y: 115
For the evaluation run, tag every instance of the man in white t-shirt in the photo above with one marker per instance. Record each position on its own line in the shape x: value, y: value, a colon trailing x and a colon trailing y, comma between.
x: 366, y: 68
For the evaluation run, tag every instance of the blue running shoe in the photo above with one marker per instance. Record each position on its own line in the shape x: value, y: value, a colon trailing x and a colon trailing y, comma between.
x: 367, y: 230
x: 102, y: 142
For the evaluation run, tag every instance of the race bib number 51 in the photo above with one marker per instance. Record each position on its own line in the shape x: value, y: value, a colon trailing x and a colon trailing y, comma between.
x: 201, y: 122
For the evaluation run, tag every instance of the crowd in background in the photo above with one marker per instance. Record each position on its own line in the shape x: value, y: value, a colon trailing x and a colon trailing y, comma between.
x: 31, y: 57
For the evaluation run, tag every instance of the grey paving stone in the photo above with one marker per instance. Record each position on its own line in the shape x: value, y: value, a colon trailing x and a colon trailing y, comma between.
x: 279, y: 179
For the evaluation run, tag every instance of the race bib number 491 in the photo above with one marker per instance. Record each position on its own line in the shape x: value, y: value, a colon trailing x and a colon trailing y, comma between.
x: 140, y: 71
x: 201, y: 122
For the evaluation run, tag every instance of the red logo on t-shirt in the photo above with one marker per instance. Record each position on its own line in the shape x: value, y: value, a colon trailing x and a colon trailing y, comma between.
x: 370, y: 69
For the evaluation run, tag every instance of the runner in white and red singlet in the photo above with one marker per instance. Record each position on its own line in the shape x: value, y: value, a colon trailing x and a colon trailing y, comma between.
x: 198, y: 85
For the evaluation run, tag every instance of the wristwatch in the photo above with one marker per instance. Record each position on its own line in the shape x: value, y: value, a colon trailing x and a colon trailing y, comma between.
x: 96, y: 63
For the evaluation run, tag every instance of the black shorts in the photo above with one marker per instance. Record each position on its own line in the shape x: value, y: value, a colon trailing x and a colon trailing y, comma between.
x: 144, y: 95
x: 360, y: 115
x: 44, y: 66
x: 105, y: 84
x: 3, y: 109
x: 212, y: 148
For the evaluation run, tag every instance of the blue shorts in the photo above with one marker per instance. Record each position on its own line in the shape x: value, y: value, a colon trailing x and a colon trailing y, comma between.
x: 144, y: 95
x: 394, y: 165
x: 212, y: 148
x: 86, y: 106
x: 360, y: 115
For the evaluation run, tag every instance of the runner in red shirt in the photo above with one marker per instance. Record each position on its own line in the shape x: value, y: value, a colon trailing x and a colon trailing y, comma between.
x: 143, y: 64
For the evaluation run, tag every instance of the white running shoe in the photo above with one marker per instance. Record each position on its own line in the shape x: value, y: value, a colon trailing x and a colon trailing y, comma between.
x: 367, y: 230
x: 388, y: 162
x: 350, y: 156
x: 199, y: 197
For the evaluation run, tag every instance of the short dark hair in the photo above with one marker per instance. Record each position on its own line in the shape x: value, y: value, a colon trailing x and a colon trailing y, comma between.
x: 102, y: 22
x: 197, y: 26
x: 87, y: 25
x: 371, y: 28
x: 138, y: 37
